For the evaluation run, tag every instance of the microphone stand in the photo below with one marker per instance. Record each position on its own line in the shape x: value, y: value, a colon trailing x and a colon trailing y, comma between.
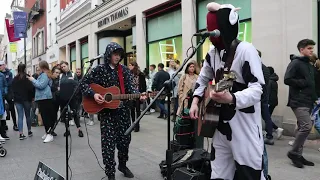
x: 167, y: 88
x: 67, y: 115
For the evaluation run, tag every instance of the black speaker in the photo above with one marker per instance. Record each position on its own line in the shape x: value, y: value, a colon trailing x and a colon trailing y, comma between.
x: 184, y: 173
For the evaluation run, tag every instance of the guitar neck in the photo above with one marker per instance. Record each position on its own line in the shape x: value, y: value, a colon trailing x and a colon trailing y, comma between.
x: 126, y: 96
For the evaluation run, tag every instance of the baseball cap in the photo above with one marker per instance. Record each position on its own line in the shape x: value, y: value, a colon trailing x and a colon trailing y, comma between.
x: 2, y: 63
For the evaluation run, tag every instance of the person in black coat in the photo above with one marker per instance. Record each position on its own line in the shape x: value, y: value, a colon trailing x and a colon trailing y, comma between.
x: 157, y: 84
x: 55, y: 93
x: 273, y: 90
x: 139, y: 80
x: 23, y: 94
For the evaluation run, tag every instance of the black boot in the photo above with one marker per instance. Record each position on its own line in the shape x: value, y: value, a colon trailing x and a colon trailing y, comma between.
x: 125, y: 170
x: 111, y: 178
x: 137, y: 128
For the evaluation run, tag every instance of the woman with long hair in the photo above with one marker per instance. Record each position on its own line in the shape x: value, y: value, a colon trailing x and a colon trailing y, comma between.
x: 186, y: 83
x: 139, y: 81
x: 55, y: 93
x: 43, y: 97
x: 23, y: 93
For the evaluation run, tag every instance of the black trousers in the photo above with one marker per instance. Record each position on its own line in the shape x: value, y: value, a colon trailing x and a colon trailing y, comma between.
x: 12, y: 110
x: 113, y: 124
x: 135, y: 110
x: 74, y: 108
x: 46, y: 110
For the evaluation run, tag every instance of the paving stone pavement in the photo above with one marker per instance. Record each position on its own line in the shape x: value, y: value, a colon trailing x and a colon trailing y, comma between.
x: 147, y: 149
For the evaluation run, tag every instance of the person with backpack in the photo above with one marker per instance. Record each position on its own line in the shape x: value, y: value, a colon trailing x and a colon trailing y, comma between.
x: 67, y: 84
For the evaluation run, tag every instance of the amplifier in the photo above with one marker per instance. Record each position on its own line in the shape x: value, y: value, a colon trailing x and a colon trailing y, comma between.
x: 184, y: 173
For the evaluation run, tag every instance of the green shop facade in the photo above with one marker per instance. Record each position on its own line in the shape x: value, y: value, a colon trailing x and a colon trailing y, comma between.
x: 164, y: 29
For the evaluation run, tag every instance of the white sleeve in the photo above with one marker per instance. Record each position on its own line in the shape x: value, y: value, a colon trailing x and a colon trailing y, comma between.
x: 253, y: 77
x: 206, y: 75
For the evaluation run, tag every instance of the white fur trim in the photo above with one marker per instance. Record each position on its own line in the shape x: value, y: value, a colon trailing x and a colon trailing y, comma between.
x: 213, y: 6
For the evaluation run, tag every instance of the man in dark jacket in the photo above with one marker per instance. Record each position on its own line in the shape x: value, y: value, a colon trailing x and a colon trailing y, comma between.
x: 68, y: 82
x: 9, y: 97
x: 300, y: 79
x: 157, y: 84
x: 273, y: 90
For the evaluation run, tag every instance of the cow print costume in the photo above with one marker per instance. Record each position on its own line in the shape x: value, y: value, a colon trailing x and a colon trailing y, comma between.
x: 237, y: 147
x: 114, y: 123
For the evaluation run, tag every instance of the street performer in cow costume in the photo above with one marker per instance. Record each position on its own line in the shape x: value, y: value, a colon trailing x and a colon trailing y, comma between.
x: 237, y: 145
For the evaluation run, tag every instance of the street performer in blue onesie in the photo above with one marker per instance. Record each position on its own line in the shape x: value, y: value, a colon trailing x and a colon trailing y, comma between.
x: 237, y: 144
x: 114, y: 122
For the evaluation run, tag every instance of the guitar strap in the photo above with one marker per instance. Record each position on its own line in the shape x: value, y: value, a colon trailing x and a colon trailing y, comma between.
x: 230, y: 57
x: 121, y: 81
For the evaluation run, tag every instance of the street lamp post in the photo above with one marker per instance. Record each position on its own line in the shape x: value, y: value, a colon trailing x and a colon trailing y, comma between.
x: 31, y: 13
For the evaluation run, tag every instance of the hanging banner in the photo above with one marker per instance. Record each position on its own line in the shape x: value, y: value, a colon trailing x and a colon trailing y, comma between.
x: 20, y: 24
x: 10, y: 32
x: 13, y: 47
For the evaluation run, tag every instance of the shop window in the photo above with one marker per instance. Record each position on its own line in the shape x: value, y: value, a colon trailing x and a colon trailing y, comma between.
x: 84, y: 57
x: 73, y: 59
x: 165, y: 50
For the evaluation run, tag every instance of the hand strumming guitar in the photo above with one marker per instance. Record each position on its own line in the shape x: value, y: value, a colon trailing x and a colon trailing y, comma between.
x: 98, y: 98
x: 223, y: 97
x: 143, y: 97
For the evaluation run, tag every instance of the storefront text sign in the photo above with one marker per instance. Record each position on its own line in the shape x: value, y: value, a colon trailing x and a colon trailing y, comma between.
x: 46, y: 173
x: 113, y: 17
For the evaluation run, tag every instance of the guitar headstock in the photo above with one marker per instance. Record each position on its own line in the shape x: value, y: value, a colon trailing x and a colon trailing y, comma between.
x: 226, y: 82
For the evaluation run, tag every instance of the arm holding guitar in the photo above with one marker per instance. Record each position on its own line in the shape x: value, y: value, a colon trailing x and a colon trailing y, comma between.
x: 253, y: 77
x: 86, y: 90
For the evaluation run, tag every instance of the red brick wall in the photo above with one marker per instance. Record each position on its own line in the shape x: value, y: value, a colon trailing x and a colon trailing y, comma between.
x: 42, y: 21
x: 63, y: 3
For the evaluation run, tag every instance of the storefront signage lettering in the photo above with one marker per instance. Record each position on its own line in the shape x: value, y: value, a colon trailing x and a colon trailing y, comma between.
x: 113, y: 17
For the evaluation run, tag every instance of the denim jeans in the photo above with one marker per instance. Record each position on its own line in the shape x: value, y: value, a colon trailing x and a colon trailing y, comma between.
x: 23, y: 108
x: 33, y: 115
x: 160, y: 104
x: 267, y: 119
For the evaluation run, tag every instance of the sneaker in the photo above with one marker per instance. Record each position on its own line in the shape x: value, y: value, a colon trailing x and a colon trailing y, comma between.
x: 5, y: 137
x: 268, y: 141
x: 279, y: 132
x: 2, y: 139
x: 22, y: 137
x: 48, y: 139
x: 291, y: 142
x: 319, y: 149
x: 44, y: 136
x: 90, y: 123
x: 80, y: 133
x: 152, y: 110
x: 30, y: 134
x: 71, y: 123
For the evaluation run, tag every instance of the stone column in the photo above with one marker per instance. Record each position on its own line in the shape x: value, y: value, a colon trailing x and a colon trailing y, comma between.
x: 78, y: 54
x: 67, y: 53
x: 141, y: 44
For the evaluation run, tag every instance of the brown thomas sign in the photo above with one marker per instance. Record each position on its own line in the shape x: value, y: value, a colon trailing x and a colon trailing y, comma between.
x: 113, y: 17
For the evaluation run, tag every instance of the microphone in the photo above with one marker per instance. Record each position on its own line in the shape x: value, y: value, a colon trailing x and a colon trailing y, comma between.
x: 214, y: 33
x: 95, y: 58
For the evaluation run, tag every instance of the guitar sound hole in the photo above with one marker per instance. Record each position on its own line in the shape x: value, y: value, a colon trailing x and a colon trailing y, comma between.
x: 108, y: 97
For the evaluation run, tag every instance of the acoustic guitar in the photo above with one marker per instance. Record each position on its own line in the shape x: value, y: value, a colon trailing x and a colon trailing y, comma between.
x: 209, y: 109
x: 112, y: 97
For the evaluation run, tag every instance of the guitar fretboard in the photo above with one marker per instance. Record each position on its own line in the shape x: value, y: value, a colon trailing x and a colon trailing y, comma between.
x: 126, y: 96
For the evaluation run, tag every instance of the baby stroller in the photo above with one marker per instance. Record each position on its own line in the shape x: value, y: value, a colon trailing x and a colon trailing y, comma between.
x: 3, y: 151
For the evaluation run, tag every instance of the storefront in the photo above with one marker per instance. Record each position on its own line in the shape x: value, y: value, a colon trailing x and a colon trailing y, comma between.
x: 244, y: 25
x: 84, y: 54
x: 164, y: 35
x: 73, y: 57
